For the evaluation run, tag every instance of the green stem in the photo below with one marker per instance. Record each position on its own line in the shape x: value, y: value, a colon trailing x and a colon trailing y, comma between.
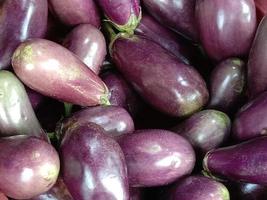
x: 68, y: 109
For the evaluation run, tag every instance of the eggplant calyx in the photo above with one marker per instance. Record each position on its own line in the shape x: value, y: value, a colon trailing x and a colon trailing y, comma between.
x: 104, y: 100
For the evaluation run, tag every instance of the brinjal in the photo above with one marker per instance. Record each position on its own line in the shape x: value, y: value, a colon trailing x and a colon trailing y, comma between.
x: 93, y: 165
x: 89, y: 44
x: 35, y: 98
x: 226, y: 27
x: 244, y: 162
x: 135, y: 194
x: 250, y: 191
x: 54, y: 71
x: 20, y: 20
x: 156, y: 157
x: 3, y: 197
x: 261, y: 7
x: 28, y: 166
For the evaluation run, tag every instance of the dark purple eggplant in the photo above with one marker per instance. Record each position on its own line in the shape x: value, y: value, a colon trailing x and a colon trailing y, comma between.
x: 93, y: 165
x: 156, y: 157
x: 135, y: 194
x: 35, y: 98
x: 205, y: 130
x: 20, y: 20
x: 226, y: 27
x: 28, y: 166
x: 54, y: 71
x: 244, y: 162
x: 250, y: 191
x: 167, y: 84
x: 89, y: 44
x: 227, y: 85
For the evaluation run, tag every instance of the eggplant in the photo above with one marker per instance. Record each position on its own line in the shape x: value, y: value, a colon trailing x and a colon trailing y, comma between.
x: 28, y: 166
x: 244, y: 162
x: 227, y: 85
x: 226, y: 27
x: 135, y: 194
x: 89, y: 44
x: 35, y: 98
x: 261, y: 7
x: 205, y: 130
x: 250, y: 191
x: 20, y: 20
x: 3, y: 197
x: 167, y: 84
x: 75, y: 12
x: 156, y: 157
x: 65, y: 77
x: 178, y: 15
x: 93, y: 165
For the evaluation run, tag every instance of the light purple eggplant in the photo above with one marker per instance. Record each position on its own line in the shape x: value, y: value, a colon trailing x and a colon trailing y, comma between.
x: 20, y: 20
x: 178, y: 15
x: 226, y: 27
x: 205, y: 130
x: 54, y: 71
x: 28, y: 166
x: 89, y: 44
x: 244, y: 162
x: 75, y: 12
x: 93, y: 165
x: 156, y: 157
x: 167, y: 84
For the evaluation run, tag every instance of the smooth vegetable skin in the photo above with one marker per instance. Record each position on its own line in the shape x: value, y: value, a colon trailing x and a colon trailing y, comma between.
x: 20, y: 20
x: 245, y: 162
x: 156, y: 157
x: 89, y: 44
x: 93, y: 165
x: 28, y: 166
x: 167, y: 84
x: 54, y: 71
x: 3, y: 197
x: 226, y: 27
x: 261, y: 6
x: 249, y: 191
x: 35, y: 98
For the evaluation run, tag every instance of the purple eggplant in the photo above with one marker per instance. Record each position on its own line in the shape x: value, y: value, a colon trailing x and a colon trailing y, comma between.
x: 156, y: 157
x: 249, y: 191
x: 245, y: 162
x: 178, y: 15
x: 227, y: 85
x: 123, y: 14
x: 226, y: 27
x: 28, y: 166
x: 3, y: 197
x: 93, y: 165
x: 89, y: 44
x: 135, y: 194
x: 205, y: 130
x: 167, y: 84
x: 200, y: 188
x: 35, y: 98
x: 20, y: 20
x: 251, y: 120
x: 53, y: 71
x: 75, y: 12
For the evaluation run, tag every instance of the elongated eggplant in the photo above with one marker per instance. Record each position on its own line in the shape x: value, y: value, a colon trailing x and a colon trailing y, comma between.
x: 226, y: 27
x: 205, y: 130
x: 156, y: 157
x: 28, y: 166
x: 52, y: 70
x: 245, y: 162
x: 74, y: 12
x: 89, y: 44
x: 167, y: 84
x: 93, y: 165
x: 20, y: 20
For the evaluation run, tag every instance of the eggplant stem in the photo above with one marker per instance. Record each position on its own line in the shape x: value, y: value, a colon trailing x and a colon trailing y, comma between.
x: 68, y: 109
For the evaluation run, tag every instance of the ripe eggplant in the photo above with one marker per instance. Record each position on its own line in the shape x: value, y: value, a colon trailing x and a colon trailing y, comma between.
x: 93, y: 165
x: 244, y: 162
x: 28, y: 166
x: 89, y: 44
x: 35, y: 98
x: 52, y: 70
x: 20, y: 20
x: 3, y: 197
x: 156, y: 157
x: 261, y: 7
x: 226, y: 27
x: 135, y: 194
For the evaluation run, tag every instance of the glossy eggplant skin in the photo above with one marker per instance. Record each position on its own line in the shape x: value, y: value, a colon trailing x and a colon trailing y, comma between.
x: 180, y: 16
x: 156, y: 157
x: 28, y: 167
x: 35, y: 98
x: 75, y: 12
x: 20, y: 20
x: 250, y: 191
x: 167, y: 84
x: 244, y: 162
x: 63, y: 75
x: 93, y: 165
x: 205, y: 130
x: 89, y: 44
x: 226, y: 27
